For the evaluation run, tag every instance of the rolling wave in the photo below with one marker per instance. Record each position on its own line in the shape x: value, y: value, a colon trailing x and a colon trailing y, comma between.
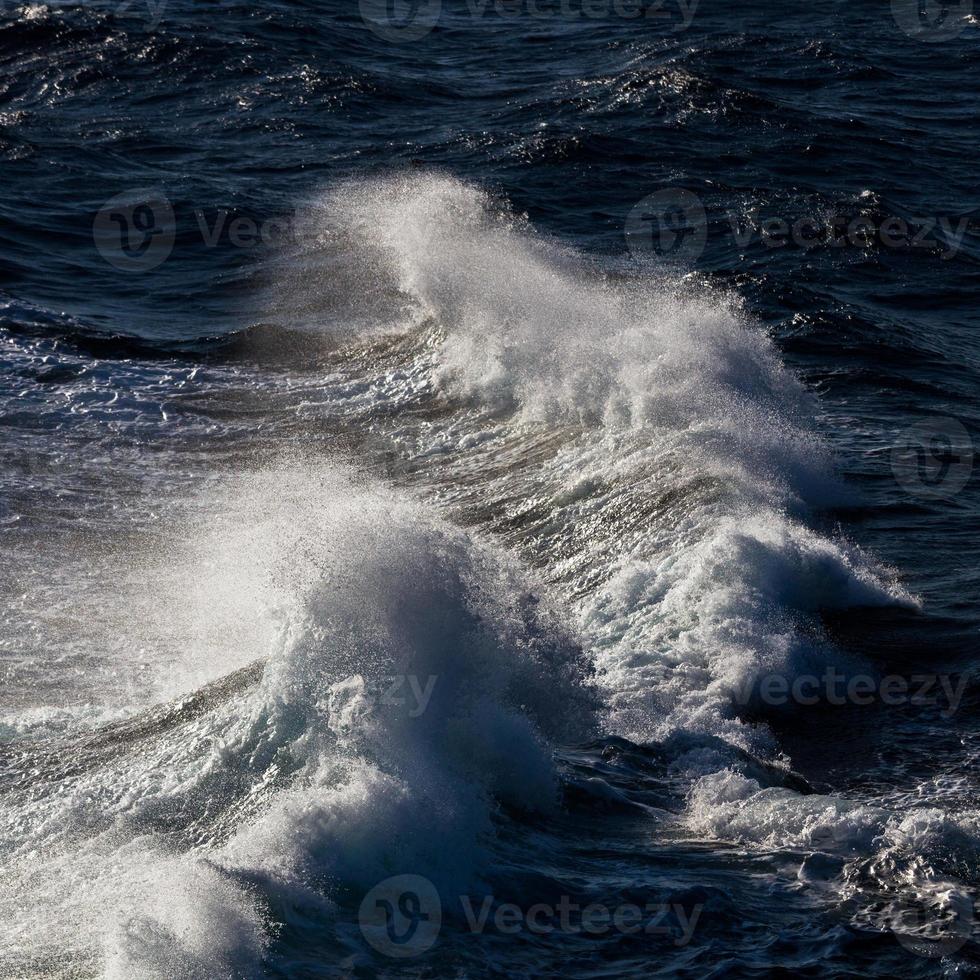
x: 605, y: 527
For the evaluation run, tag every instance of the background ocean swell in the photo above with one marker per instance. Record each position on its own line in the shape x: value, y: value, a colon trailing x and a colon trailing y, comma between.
x: 629, y: 435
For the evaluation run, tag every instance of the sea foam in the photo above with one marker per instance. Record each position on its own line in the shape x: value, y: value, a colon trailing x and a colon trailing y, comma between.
x: 417, y: 684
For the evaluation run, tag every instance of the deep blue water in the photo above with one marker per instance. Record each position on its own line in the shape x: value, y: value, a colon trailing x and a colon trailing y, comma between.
x: 152, y: 348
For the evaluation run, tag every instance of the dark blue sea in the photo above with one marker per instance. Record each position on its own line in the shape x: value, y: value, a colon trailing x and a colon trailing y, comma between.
x: 488, y: 489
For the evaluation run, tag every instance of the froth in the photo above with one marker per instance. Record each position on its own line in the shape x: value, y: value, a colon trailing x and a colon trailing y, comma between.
x: 681, y: 409
x: 533, y: 326
x: 417, y: 683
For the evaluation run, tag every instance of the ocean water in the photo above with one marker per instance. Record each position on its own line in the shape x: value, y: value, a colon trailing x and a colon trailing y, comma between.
x: 486, y: 489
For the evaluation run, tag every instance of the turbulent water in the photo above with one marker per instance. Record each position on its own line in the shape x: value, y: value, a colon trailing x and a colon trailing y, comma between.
x: 486, y: 490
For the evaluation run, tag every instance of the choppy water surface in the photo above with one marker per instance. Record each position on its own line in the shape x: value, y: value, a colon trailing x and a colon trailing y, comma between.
x: 488, y: 490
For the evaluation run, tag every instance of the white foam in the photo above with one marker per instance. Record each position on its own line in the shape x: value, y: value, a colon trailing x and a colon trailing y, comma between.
x: 907, y: 872
x: 728, y: 806
x: 324, y: 775
x: 419, y: 602
x: 684, y: 640
x: 670, y: 384
x: 534, y: 325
